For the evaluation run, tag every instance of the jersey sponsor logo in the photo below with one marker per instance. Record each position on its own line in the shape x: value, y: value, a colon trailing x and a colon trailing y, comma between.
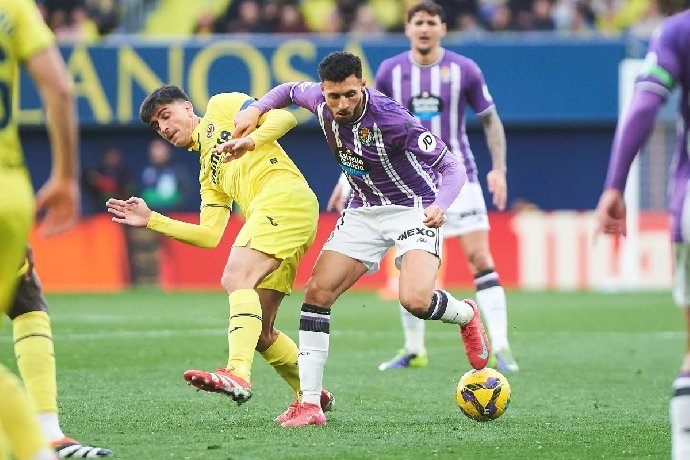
x: 425, y: 106
x: 430, y: 232
x: 364, y: 136
x: 210, y: 129
x: 427, y: 142
x: 215, y: 162
x: 350, y: 162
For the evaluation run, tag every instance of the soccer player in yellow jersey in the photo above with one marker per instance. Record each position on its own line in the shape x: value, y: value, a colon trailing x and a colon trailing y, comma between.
x: 281, y: 215
x: 26, y: 40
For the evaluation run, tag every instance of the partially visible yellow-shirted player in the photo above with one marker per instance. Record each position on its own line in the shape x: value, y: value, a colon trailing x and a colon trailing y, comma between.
x: 26, y: 40
x: 281, y: 214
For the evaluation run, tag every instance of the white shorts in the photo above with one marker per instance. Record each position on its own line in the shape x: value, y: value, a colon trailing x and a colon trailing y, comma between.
x: 467, y: 213
x: 366, y: 234
x: 681, y: 275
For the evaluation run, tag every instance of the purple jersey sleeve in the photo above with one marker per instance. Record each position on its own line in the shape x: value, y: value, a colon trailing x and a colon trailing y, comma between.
x: 659, y: 74
x: 631, y: 134
x: 420, y: 142
x: 453, y: 177
x: 476, y: 91
x: 304, y: 94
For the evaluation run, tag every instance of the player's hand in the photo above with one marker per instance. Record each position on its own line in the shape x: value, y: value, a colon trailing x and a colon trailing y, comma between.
x: 59, y: 199
x: 338, y: 198
x: 134, y: 211
x: 434, y: 217
x: 496, y: 182
x: 245, y: 121
x: 235, y: 148
x: 610, y: 213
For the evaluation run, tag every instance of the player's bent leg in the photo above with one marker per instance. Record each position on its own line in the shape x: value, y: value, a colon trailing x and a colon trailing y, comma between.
x: 245, y: 268
x: 415, y: 268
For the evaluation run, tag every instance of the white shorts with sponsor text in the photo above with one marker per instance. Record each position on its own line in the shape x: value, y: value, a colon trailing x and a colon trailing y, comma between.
x: 367, y: 233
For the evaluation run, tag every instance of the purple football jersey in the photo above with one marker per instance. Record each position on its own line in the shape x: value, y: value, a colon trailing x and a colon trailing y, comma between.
x: 668, y: 65
x: 438, y: 94
x: 386, y: 154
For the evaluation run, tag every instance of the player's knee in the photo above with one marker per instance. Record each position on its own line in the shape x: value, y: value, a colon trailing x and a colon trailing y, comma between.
x: 232, y: 281
x: 316, y: 294
x: 415, y: 302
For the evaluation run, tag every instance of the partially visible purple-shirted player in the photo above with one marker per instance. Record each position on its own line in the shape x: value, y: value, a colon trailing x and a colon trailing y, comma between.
x: 667, y: 65
x: 437, y: 85
x: 394, y: 166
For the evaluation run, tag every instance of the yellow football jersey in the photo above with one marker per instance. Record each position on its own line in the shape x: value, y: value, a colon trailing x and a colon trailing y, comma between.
x: 241, y: 179
x: 23, y: 33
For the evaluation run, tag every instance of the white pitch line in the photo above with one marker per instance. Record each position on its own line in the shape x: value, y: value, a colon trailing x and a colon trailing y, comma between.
x: 109, y: 335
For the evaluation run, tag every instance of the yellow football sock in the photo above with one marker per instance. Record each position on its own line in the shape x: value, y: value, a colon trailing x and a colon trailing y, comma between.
x: 244, y: 330
x: 33, y: 347
x: 282, y: 355
x: 18, y: 419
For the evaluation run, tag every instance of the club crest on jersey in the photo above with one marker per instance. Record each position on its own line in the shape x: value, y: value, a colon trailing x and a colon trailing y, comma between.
x: 445, y: 74
x: 210, y: 129
x: 365, y: 137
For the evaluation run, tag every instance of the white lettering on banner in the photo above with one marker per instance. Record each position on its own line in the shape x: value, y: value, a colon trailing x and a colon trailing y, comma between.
x: 556, y: 250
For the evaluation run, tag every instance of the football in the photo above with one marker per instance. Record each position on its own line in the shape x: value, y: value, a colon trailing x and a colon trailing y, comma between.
x: 483, y: 395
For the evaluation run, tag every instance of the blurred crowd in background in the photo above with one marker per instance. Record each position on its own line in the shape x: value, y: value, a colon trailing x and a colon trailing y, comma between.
x: 91, y: 20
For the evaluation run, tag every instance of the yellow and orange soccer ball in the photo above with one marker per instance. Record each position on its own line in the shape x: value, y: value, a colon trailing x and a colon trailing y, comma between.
x: 483, y: 395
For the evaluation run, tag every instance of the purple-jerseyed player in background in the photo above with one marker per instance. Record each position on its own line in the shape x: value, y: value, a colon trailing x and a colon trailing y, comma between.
x: 667, y: 65
x: 394, y: 166
x: 437, y: 85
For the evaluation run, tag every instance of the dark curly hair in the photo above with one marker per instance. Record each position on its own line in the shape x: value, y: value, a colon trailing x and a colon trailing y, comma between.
x: 163, y: 95
x: 339, y: 65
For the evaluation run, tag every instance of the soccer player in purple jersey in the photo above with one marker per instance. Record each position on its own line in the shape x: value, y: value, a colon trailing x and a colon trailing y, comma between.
x: 437, y: 85
x: 667, y: 65
x: 394, y: 166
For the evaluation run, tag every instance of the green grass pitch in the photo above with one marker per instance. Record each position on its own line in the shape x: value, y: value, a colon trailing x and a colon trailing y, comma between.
x: 596, y: 374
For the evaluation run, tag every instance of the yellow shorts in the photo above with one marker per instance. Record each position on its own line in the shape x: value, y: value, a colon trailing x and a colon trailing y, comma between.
x: 281, y: 221
x: 16, y: 219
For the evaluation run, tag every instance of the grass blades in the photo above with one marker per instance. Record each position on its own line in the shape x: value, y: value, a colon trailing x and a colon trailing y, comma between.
x: 596, y: 374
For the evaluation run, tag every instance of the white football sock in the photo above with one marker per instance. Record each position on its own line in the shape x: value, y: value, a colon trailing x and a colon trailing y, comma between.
x: 50, y: 425
x: 314, y: 339
x: 491, y: 299
x: 451, y: 310
x: 680, y: 417
x: 413, y: 328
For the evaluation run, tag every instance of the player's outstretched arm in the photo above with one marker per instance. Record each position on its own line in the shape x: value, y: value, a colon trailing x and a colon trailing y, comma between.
x: 59, y: 196
x: 207, y: 234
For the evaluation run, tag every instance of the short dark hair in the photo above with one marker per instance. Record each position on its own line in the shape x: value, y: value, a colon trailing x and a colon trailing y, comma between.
x: 339, y: 65
x: 163, y: 95
x: 429, y: 7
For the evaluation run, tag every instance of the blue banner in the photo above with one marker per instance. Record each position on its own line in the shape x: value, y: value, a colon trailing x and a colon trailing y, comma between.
x: 538, y: 82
